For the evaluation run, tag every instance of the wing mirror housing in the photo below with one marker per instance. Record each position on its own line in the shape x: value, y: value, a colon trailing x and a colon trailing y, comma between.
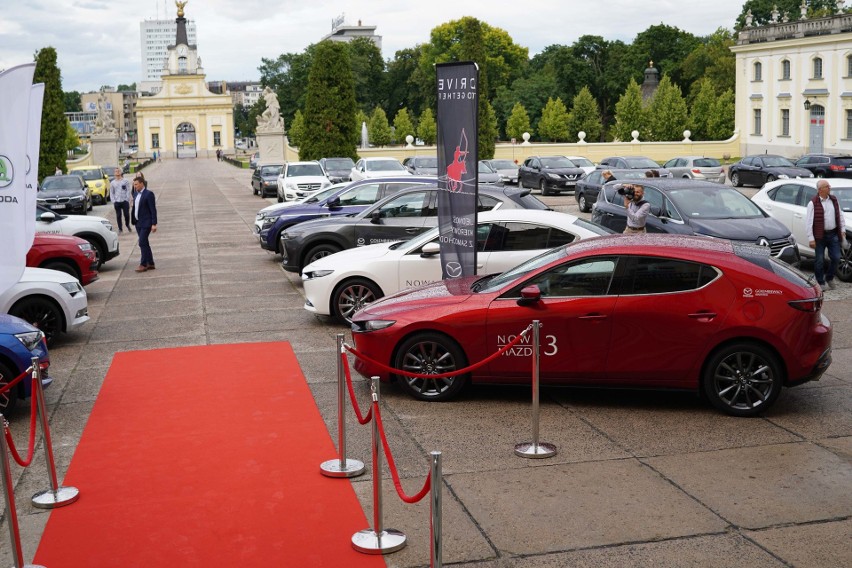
x: 530, y: 295
x: 430, y: 249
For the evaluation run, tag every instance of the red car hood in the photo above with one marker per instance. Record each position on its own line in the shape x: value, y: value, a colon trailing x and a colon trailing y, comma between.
x: 445, y: 292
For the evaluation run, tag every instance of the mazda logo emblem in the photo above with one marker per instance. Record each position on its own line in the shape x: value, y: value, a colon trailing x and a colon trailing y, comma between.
x: 454, y: 269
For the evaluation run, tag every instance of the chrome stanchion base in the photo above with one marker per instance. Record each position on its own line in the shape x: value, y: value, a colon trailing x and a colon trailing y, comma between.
x: 385, y: 542
x: 50, y: 499
x: 351, y: 468
x: 535, y: 451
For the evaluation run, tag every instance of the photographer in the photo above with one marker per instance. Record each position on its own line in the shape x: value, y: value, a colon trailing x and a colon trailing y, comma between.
x: 637, y: 208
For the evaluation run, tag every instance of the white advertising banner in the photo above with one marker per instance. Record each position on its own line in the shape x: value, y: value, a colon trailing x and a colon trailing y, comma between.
x: 15, y: 92
x: 33, y: 148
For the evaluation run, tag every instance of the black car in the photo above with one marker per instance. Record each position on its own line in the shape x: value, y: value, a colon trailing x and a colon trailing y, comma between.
x: 397, y: 217
x: 757, y: 170
x: 586, y: 192
x: 422, y: 165
x: 692, y: 207
x: 550, y: 174
x: 826, y: 165
x: 633, y: 163
x: 265, y: 179
x: 66, y: 194
x: 337, y: 169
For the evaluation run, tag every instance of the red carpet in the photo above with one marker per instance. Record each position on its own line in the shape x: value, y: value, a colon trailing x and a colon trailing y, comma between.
x: 205, y: 456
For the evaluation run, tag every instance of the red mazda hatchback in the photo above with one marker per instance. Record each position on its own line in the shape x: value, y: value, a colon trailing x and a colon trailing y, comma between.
x: 65, y: 253
x: 646, y: 311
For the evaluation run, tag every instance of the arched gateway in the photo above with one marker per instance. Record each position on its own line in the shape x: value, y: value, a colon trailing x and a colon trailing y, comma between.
x: 185, y: 141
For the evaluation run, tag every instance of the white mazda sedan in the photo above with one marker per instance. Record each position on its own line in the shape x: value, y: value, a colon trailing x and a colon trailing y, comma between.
x: 341, y: 284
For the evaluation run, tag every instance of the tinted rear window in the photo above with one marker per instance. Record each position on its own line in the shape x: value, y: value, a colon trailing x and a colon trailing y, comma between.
x: 760, y: 256
x: 707, y: 163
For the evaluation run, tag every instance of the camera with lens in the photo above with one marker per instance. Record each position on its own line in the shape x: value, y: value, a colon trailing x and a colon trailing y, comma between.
x: 627, y: 191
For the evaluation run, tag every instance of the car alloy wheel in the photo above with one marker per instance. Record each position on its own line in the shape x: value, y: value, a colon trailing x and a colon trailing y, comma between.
x: 543, y: 187
x: 9, y: 398
x: 351, y: 296
x: 430, y: 353
x: 41, y: 313
x: 735, y: 180
x: 318, y: 252
x: 581, y: 201
x: 844, y: 267
x: 742, y: 379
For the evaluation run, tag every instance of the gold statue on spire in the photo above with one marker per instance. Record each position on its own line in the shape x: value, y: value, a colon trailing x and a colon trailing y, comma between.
x: 180, y: 6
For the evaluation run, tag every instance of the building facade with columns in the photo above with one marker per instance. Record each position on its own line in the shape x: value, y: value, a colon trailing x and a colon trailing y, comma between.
x: 794, y: 86
x: 184, y: 119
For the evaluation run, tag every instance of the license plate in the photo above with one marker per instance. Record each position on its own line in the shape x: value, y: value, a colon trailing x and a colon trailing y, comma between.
x: 58, y: 206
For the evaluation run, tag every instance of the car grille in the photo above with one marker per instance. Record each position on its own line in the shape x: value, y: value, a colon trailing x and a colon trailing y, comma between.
x: 776, y: 246
x: 308, y: 186
x: 54, y: 200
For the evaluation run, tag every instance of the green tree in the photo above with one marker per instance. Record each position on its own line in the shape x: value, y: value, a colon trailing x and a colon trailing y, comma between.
x: 72, y: 101
x: 378, y: 128
x: 330, y: 128
x: 427, y: 128
x: 721, y: 123
x: 296, y: 132
x: 72, y: 139
x: 130, y: 87
x: 253, y: 112
x: 701, y: 110
x: 518, y: 123
x: 53, y: 133
x: 668, y: 116
x: 368, y: 70
x: 532, y: 92
x: 403, y: 126
x: 630, y: 115
x: 400, y: 89
x: 713, y: 59
x: 667, y: 46
x: 584, y: 116
x: 553, y: 125
x: 488, y: 131
x: 287, y: 75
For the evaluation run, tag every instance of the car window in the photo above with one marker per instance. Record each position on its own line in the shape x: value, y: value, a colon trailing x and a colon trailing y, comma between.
x: 486, y: 203
x: 641, y: 163
x: 655, y: 197
x: 340, y: 164
x: 706, y: 163
x: 384, y: 165
x: 588, y: 277
x: 270, y: 170
x: 652, y: 275
x: 671, y: 163
x: 361, y: 195
x: 777, y: 162
x: 748, y: 161
x: 787, y: 193
x: 414, y: 204
x: 844, y: 197
x: 809, y: 193
x: 299, y: 170
x: 394, y: 187
x: 803, y: 161
x: 503, y: 164
x: 524, y: 236
x: 427, y: 162
x: 594, y: 177
x: 557, y: 162
x: 670, y: 210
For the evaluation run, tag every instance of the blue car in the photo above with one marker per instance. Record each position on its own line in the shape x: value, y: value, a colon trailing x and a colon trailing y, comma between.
x: 19, y: 343
x: 347, y: 199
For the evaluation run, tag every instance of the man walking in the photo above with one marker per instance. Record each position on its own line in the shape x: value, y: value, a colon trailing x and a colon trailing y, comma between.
x: 119, y: 194
x: 826, y: 231
x: 145, y: 218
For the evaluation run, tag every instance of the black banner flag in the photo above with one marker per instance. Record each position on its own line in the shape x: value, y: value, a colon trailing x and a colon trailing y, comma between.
x: 458, y: 172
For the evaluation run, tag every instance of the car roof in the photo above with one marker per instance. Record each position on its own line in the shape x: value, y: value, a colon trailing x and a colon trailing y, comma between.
x: 534, y: 215
x: 668, y: 184
x: 375, y: 158
x: 302, y: 163
x: 834, y: 182
x: 85, y: 168
x: 651, y: 243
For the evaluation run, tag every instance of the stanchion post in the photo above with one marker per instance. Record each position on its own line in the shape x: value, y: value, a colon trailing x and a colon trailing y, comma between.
x: 56, y: 496
x: 436, y: 520
x: 11, y: 511
x: 341, y: 467
x: 377, y: 540
x: 535, y: 449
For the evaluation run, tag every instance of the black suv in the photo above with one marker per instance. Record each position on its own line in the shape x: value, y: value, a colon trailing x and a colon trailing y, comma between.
x: 550, y: 174
x: 826, y: 165
x: 397, y: 217
x: 265, y: 179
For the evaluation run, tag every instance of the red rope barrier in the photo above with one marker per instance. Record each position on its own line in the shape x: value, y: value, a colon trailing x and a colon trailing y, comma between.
x: 467, y: 369
x: 31, y: 446
x: 361, y: 419
x: 394, y: 473
x: 16, y: 380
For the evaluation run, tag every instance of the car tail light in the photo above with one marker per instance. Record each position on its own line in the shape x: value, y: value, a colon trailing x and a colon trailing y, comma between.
x: 811, y: 305
x: 696, y: 171
x: 837, y: 168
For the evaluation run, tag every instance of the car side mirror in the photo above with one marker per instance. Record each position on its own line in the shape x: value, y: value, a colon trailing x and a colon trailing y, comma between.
x: 530, y: 295
x: 376, y: 217
x: 333, y: 203
x: 430, y: 249
x: 47, y: 217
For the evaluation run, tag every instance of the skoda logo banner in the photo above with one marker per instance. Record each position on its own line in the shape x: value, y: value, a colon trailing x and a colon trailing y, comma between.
x: 7, y: 172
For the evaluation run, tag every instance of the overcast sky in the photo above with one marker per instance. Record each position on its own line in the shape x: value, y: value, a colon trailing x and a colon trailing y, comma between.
x: 98, y: 41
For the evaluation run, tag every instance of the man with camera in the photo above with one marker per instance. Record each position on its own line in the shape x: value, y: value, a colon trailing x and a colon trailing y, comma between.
x: 637, y: 208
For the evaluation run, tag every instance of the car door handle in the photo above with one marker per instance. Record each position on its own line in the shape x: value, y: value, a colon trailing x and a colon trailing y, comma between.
x: 411, y: 230
x: 593, y: 317
x: 703, y: 316
x: 797, y: 216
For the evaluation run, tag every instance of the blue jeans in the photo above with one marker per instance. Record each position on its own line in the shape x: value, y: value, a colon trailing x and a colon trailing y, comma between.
x: 831, y: 242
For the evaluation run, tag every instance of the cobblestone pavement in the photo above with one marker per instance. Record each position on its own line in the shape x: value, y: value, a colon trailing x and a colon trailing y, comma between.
x: 641, y: 478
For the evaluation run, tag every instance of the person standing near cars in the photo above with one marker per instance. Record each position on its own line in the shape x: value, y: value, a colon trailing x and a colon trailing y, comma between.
x: 119, y: 194
x: 145, y: 219
x: 637, y: 209
x: 826, y: 232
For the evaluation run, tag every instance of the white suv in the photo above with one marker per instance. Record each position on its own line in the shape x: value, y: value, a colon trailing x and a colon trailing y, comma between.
x: 300, y: 179
x: 97, y: 230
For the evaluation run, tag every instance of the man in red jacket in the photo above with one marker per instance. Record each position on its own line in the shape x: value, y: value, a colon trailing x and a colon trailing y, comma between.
x: 826, y: 231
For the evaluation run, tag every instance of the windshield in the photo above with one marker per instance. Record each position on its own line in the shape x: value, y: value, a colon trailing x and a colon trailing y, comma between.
x: 90, y: 175
x: 384, y: 166
x: 300, y: 170
x: 270, y: 170
x: 426, y: 162
x: 641, y: 163
x: 63, y: 182
x: 339, y: 164
x: 504, y: 165
x: 557, y: 162
x: 706, y: 163
x: 713, y: 203
x: 485, y: 168
x: 583, y: 162
x: 325, y: 193
x: 777, y: 162
x: 500, y: 280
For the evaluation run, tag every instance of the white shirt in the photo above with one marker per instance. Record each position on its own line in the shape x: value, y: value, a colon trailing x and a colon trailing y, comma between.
x: 828, y: 218
x: 136, y: 205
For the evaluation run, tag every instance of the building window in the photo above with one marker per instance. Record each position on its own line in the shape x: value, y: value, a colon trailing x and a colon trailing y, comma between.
x: 758, y: 71
x: 849, y: 124
x: 217, y: 138
x: 817, y: 68
x: 155, y: 140
x: 785, y: 122
x: 849, y: 66
x: 785, y: 69
x: 757, y: 126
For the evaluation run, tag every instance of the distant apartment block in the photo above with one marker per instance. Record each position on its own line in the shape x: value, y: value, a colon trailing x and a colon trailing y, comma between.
x: 155, y: 37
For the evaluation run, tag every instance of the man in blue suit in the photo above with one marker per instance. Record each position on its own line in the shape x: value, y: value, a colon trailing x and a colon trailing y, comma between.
x: 144, y: 217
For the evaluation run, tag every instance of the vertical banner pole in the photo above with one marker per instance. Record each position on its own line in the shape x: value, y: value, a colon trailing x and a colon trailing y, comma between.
x: 341, y: 467
x: 436, y: 520
x: 377, y: 540
x: 56, y: 496
x: 535, y: 449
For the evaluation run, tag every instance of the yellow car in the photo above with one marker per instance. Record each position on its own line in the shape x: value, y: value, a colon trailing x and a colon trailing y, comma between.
x: 97, y: 181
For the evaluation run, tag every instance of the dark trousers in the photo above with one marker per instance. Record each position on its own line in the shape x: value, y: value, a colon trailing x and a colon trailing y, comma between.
x: 145, y: 248
x: 831, y: 243
x: 122, y: 206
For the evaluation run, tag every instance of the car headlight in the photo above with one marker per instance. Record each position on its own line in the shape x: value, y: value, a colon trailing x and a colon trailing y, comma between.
x: 72, y: 288
x: 290, y: 235
x: 375, y: 325
x: 99, y: 184
x: 316, y: 274
x: 269, y: 221
x: 85, y: 247
x: 553, y: 176
x: 291, y: 185
x: 30, y: 339
x: 107, y: 224
x: 78, y: 198
x: 783, y: 176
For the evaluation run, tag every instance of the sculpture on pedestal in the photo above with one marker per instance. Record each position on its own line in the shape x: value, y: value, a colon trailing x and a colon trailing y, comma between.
x: 271, y: 117
x: 104, y: 123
